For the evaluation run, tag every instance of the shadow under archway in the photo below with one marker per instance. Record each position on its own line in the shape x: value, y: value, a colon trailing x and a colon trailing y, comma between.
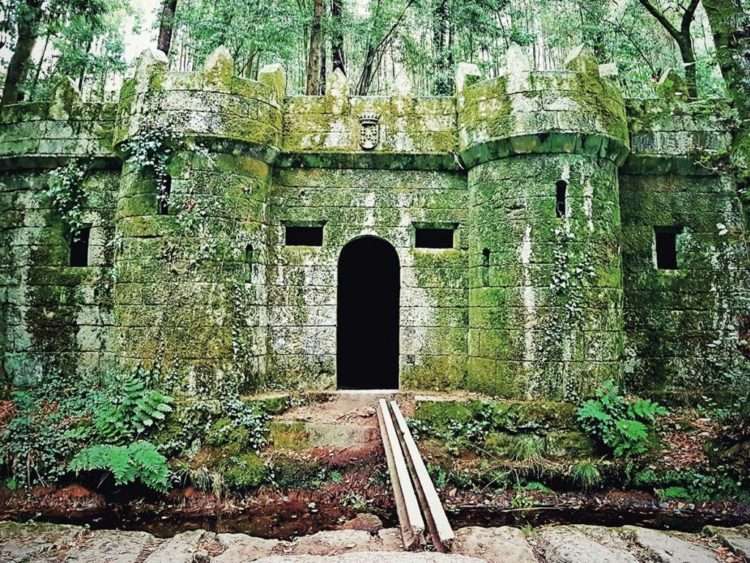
x: 368, y: 315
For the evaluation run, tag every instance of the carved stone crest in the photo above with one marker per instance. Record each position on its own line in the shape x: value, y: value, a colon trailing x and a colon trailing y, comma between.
x: 369, y: 130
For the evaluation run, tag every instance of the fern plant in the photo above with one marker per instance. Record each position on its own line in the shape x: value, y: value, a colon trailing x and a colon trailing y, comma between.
x: 130, y: 410
x: 621, y: 424
x: 140, y: 461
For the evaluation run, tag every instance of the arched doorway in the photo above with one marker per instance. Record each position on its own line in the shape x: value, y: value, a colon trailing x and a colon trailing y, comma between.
x: 367, y: 329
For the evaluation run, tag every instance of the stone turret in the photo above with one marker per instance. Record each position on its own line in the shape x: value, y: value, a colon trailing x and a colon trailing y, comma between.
x: 545, y: 289
x: 190, y: 292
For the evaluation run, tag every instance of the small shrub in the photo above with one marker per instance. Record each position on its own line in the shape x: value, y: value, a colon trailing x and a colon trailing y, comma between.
x: 673, y: 493
x: 623, y: 425
x: 528, y: 449
x: 137, y: 462
x: 586, y: 475
x: 245, y: 471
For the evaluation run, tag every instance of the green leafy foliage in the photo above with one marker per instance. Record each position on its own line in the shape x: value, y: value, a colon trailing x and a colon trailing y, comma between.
x: 130, y: 409
x: 65, y: 415
x: 707, y: 484
x: 621, y: 424
x: 586, y: 475
x: 140, y: 461
x: 66, y: 195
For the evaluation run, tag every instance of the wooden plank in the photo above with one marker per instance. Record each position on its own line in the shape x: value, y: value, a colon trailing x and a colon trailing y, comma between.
x: 410, y: 539
x: 411, y: 504
x: 437, y: 520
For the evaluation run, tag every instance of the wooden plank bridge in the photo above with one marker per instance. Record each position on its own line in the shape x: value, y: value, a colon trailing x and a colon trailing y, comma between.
x: 417, y: 502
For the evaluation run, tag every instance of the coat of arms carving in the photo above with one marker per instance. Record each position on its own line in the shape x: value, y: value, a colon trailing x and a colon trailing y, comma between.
x: 369, y: 130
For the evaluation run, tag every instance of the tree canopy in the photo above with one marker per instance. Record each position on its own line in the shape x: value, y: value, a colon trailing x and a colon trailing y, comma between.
x: 383, y: 46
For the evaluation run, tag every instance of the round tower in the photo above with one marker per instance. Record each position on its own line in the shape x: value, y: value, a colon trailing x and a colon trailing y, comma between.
x: 545, y: 289
x: 189, y: 298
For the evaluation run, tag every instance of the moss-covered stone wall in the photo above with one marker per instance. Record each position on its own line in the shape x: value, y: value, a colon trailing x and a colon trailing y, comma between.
x: 686, y: 328
x: 553, y: 183
x: 302, y: 280
x: 53, y: 316
x: 56, y: 317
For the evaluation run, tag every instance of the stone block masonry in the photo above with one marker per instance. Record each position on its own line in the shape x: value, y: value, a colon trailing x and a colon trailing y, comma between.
x: 549, y: 234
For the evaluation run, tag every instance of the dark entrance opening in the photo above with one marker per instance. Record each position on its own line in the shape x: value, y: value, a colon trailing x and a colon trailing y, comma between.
x: 367, y: 330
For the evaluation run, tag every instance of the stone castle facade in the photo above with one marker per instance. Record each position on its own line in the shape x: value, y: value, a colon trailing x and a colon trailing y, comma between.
x: 546, y: 233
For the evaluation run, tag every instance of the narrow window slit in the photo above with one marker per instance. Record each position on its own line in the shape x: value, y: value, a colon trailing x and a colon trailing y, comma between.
x: 79, y: 247
x: 485, y: 267
x: 162, y: 200
x: 249, y: 262
x: 561, y: 192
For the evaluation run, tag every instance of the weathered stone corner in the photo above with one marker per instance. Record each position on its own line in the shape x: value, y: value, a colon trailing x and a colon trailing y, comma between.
x: 65, y: 97
x: 274, y: 76
x: 219, y: 66
x: 337, y: 89
x: 466, y: 75
x: 581, y: 59
x: 671, y: 85
x: 516, y: 60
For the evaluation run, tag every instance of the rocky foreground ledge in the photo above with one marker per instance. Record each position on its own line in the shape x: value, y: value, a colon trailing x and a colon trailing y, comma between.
x: 54, y: 543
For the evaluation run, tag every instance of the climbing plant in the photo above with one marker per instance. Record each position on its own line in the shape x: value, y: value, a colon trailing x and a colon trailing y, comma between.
x: 65, y: 193
x: 150, y: 149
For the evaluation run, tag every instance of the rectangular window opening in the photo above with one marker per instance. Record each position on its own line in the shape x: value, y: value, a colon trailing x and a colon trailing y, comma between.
x: 79, y: 248
x: 666, y: 247
x: 434, y: 237
x: 303, y: 236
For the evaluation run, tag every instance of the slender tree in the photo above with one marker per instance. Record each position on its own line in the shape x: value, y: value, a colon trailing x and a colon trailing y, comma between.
x: 337, y: 37
x: 314, y: 67
x: 730, y: 26
x: 682, y: 37
x: 28, y: 21
x: 441, y: 47
x: 166, y: 25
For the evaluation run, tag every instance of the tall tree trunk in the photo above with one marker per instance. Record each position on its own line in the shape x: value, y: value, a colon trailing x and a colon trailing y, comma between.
x: 82, y: 75
x: 38, y: 72
x: 166, y: 25
x: 323, y: 63
x: 337, y: 38
x: 312, y: 87
x: 683, y: 39
x: 27, y: 30
x: 730, y: 27
x: 440, y: 32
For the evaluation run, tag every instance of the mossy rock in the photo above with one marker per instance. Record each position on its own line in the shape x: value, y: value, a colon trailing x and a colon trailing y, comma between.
x: 244, y: 471
x: 499, y: 443
x: 298, y: 472
x: 226, y: 434
x: 288, y: 435
x: 439, y: 415
x: 272, y: 405
x: 535, y: 415
x: 569, y: 444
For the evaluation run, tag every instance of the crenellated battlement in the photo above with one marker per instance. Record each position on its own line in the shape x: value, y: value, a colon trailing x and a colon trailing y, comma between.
x: 47, y: 134
x: 576, y: 110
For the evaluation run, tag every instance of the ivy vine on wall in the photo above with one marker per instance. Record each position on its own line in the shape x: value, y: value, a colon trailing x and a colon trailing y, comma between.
x: 66, y: 194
